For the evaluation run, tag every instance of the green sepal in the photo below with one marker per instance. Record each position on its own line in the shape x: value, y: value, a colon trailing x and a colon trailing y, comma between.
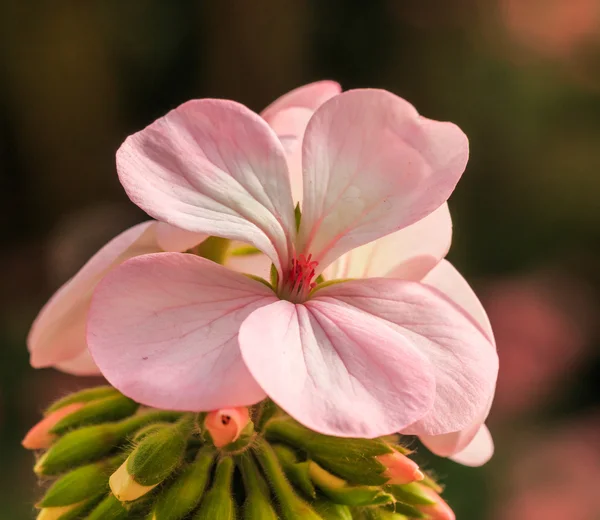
x: 330, y: 511
x: 296, y: 472
x: 410, y: 494
x: 245, y: 438
x: 378, y: 514
x: 218, y: 503
x: 340, y: 492
x: 297, y: 216
x: 109, y: 509
x: 160, y: 453
x: 91, y: 443
x: 83, y: 396
x: 268, y: 409
x: 274, y: 276
x: 352, y: 459
x: 111, y: 408
x: 213, y: 248
x: 149, y: 429
x: 80, y: 484
x: 187, y: 490
x: 245, y: 251
x: 291, y: 506
x: 258, y: 499
x: 84, y: 507
x: 408, y: 510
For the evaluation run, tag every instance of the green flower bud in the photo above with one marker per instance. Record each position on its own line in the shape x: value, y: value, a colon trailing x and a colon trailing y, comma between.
x: 408, y: 510
x: 329, y: 511
x: 411, y: 494
x: 149, y: 429
x: 84, y: 396
x: 109, y: 408
x: 93, y: 442
x: 351, y: 459
x: 218, y: 503
x: 187, y: 490
x: 109, y: 509
x: 297, y: 472
x: 68, y: 512
x: 81, y: 484
x: 292, y: 507
x: 258, y: 499
x: 340, y: 492
x: 380, y: 514
x: 153, y: 460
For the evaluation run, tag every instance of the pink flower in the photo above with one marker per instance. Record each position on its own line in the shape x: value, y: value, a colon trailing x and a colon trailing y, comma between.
x: 365, y: 357
x: 39, y: 437
x: 57, y: 337
x: 226, y: 425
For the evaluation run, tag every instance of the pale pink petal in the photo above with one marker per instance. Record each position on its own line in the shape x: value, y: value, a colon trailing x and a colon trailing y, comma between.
x: 171, y: 238
x: 163, y: 330
x: 465, y: 362
x: 373, y: 166
x: 80, y: 365
x: 215, y: 167
x: 58, y: 333
x: 478, y: 451
x: 310, y: 96
x: 254, y: 263
x: 445, y: 278
x: 335, y: 369
x: 408, y: 254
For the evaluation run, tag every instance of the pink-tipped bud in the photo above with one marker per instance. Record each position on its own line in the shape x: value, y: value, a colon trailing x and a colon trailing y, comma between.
x: 438, y: 511
x: 39, y: 437
x: 226, y: 424
x: 400, y: 469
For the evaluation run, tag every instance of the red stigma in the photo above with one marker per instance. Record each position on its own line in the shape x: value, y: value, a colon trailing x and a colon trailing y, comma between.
x: 301, y: 274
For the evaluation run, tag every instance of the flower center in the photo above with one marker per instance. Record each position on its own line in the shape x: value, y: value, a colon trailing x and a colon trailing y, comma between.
x: 299, y: 278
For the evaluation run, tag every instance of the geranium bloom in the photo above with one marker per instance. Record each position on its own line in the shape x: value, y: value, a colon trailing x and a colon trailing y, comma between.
x: 364, y: 357
x: 57, y: 337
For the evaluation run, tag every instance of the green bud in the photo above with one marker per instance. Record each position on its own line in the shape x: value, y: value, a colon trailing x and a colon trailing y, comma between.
x: 292, y: 507
x: 69, y: 512
x: 187, y: 490
x: 268, y: 409
x: 109, y: 509
x: 340, y: 492
x: 408, y: 510
x: 149, y: 429
x: 379, y: 514
x: 81, y: 484
x: 84, y: 396
x: 91, y: 443
x: 258, y: 499
x: 351, y: 459
x: 410, y: 494
x: 218, y: 503
x: 330, y: 511
x: 102, y: 410
x: 297, y: 472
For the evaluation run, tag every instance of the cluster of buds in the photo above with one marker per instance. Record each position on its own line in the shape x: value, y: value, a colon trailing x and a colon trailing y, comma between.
x: 110, y: 459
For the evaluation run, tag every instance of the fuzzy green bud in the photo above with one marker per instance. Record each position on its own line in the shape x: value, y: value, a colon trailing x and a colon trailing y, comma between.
x: 292, y: 507
x: 83, y: 396
x: 69, y: 512
x: 156, y: 456
x: 412, y: 494
x: 111, y: 408
x: 218, y: 503
x: 331, y: 511
x: 297, y: 472
x: 187, y: 490
x: 109, y: 509
x: 352, y: 459
x: 91, y: 443
x: 81, y: 484
x: 258, y: 500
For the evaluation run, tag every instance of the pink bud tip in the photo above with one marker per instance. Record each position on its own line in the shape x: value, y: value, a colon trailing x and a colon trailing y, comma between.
x: 400, y: 469
x: 39, y: 437
x: 226, y: 424
x: 438, y: 511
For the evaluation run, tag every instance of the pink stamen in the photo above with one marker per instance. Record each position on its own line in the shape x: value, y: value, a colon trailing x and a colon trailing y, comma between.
x: 300, y: 275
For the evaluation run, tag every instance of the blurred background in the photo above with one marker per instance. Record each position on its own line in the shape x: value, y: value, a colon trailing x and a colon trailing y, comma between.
x: 522, y: 79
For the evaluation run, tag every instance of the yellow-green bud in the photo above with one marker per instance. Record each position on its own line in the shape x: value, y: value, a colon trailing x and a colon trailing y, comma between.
x: 352, y: 459
x: 109, y: 509
x: 340, y: 492
x: 218, y: 503
x: 83, y: 396
x: 411, y: 494
x: 111, y: 408
x: 186, y: 492
x: 297, y: 472
x: 156, y: 456
x: 258, y: 503
x: 292, y: 507
x: 81, y: 484
x: 93, y: 442
x: 331, y: 511
x: 69, y: 512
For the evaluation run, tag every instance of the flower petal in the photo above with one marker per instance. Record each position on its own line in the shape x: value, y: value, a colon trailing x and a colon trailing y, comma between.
x: 446, y: 279
x: 465, y: 363
x: 335, y: 369
x: 471, y: 447
x: 163, y: 329
x: 58, y: 333
x: 373, y: 166
x: 289, y: 115
x: 408, y: 254
x: 478, y: 451
x: 80, y: 365
x: 171, y: 238
x: 215, y: 167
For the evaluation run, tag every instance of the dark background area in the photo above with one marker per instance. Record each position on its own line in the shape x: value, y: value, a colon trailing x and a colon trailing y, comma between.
x: 520, y: 77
